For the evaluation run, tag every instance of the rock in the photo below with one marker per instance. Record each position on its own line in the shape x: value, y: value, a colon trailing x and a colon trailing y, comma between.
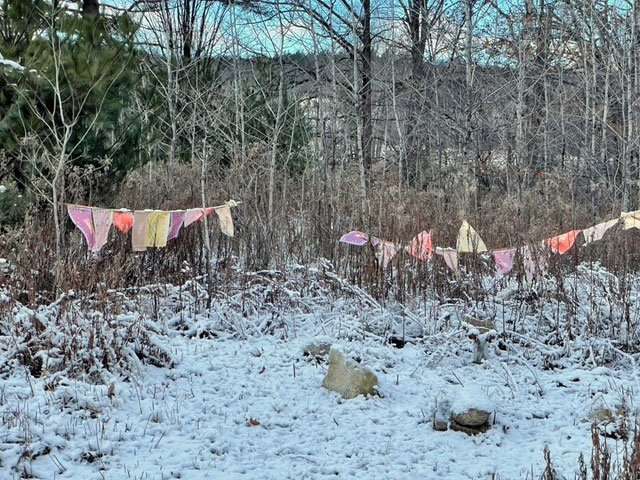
x: 348, y: 378
x: 441, y: 415
x: 456, y: 427
x: 317, y: 349
x: 397, y: 342
x: 471, y: 407
x: 610, y: 423
x: 481, y: 324
x: 440, y: 425
x: 471, y: 418
x: 602, y: 416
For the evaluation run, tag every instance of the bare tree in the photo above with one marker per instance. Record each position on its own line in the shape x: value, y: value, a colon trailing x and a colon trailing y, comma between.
x: 62, y: 134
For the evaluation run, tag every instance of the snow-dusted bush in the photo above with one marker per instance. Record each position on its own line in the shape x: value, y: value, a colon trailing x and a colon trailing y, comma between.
x: 77, y: 338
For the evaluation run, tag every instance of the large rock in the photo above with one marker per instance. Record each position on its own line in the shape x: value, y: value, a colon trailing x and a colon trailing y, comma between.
x: 471, y: 409
x: 348, y: 378
x: 471, y: 418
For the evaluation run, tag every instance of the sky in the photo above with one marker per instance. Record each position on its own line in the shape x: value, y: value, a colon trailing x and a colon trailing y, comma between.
x: 246, y: 35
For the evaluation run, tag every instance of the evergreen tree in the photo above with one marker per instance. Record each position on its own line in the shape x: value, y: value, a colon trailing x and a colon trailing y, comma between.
x: 99, y: 75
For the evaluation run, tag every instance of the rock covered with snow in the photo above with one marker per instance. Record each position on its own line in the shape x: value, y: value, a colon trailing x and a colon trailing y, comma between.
x: 472, y: 418
x: 441, y: 415
x: 348, y: 378
x: 318, y: 348
x: 470, y: 410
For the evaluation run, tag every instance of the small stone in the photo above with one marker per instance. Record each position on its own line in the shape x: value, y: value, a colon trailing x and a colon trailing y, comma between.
x: 481, y: 324
x: 398, y: 342
x: 348, y: 378
x: 610, y: 423
x: 540, y: 415
x: 602, y: 416
x: 441, y: 414
x: 440, y: 425
x: 317, y: 349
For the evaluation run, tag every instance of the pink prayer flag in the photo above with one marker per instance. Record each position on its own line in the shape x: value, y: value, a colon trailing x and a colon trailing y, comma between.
x: 375, y: 241
x: 192, y: 215
x: 385, y: 251
x: 504, y: 260
x: 82, y: 217
x: 177, y: 219
x: 561, y: 244
x: 207, y: 212
x: 421, y: 247
x: 450, y: 256
x: 356, y: 238
x: 102, y: 221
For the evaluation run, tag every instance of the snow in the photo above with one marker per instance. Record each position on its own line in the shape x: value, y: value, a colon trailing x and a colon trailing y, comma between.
x: 468, y: 397
x: 242, y: 401
x: 10, y: 64
x: 193, y: 420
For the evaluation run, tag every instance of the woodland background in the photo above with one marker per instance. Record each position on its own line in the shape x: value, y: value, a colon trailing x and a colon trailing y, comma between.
x: 321, y: 116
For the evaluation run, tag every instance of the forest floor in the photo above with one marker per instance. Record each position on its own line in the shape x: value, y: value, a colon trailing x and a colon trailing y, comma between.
x: 241, y: 400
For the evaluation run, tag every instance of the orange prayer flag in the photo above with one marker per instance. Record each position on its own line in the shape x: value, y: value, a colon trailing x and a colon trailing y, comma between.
x: 561, y: 244
x: 123, y: 221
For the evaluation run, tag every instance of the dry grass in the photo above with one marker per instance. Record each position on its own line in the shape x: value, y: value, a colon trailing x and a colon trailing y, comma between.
x: 311, y: 215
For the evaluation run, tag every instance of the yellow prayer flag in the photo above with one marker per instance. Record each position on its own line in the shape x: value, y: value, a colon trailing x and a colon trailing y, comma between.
x: 225, y: 220
x: 158, y: 229
x: 469, y: 241
x: 631, y: 219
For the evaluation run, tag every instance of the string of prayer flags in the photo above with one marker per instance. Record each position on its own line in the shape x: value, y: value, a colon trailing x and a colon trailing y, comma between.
x: 149, y: 228
x: 421, y: 247
x: 356, y: 238
x: 596, y: 233
x: 469, y: 241
x: 450, y: 256
x: 561, y: 244
x: 534, y: 256
x: 504, y: 260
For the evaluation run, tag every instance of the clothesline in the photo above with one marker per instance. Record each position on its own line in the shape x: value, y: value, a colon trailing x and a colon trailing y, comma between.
x: 230, y: 203
x: 150, y: 228
x: 469, y: 241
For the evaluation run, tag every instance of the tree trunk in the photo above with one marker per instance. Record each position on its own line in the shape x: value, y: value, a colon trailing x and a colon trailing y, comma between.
x: 366, y: 107
x: 274, y: 144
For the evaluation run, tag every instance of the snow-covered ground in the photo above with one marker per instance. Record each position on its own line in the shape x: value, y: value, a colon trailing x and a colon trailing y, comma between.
x: 242, y: 401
